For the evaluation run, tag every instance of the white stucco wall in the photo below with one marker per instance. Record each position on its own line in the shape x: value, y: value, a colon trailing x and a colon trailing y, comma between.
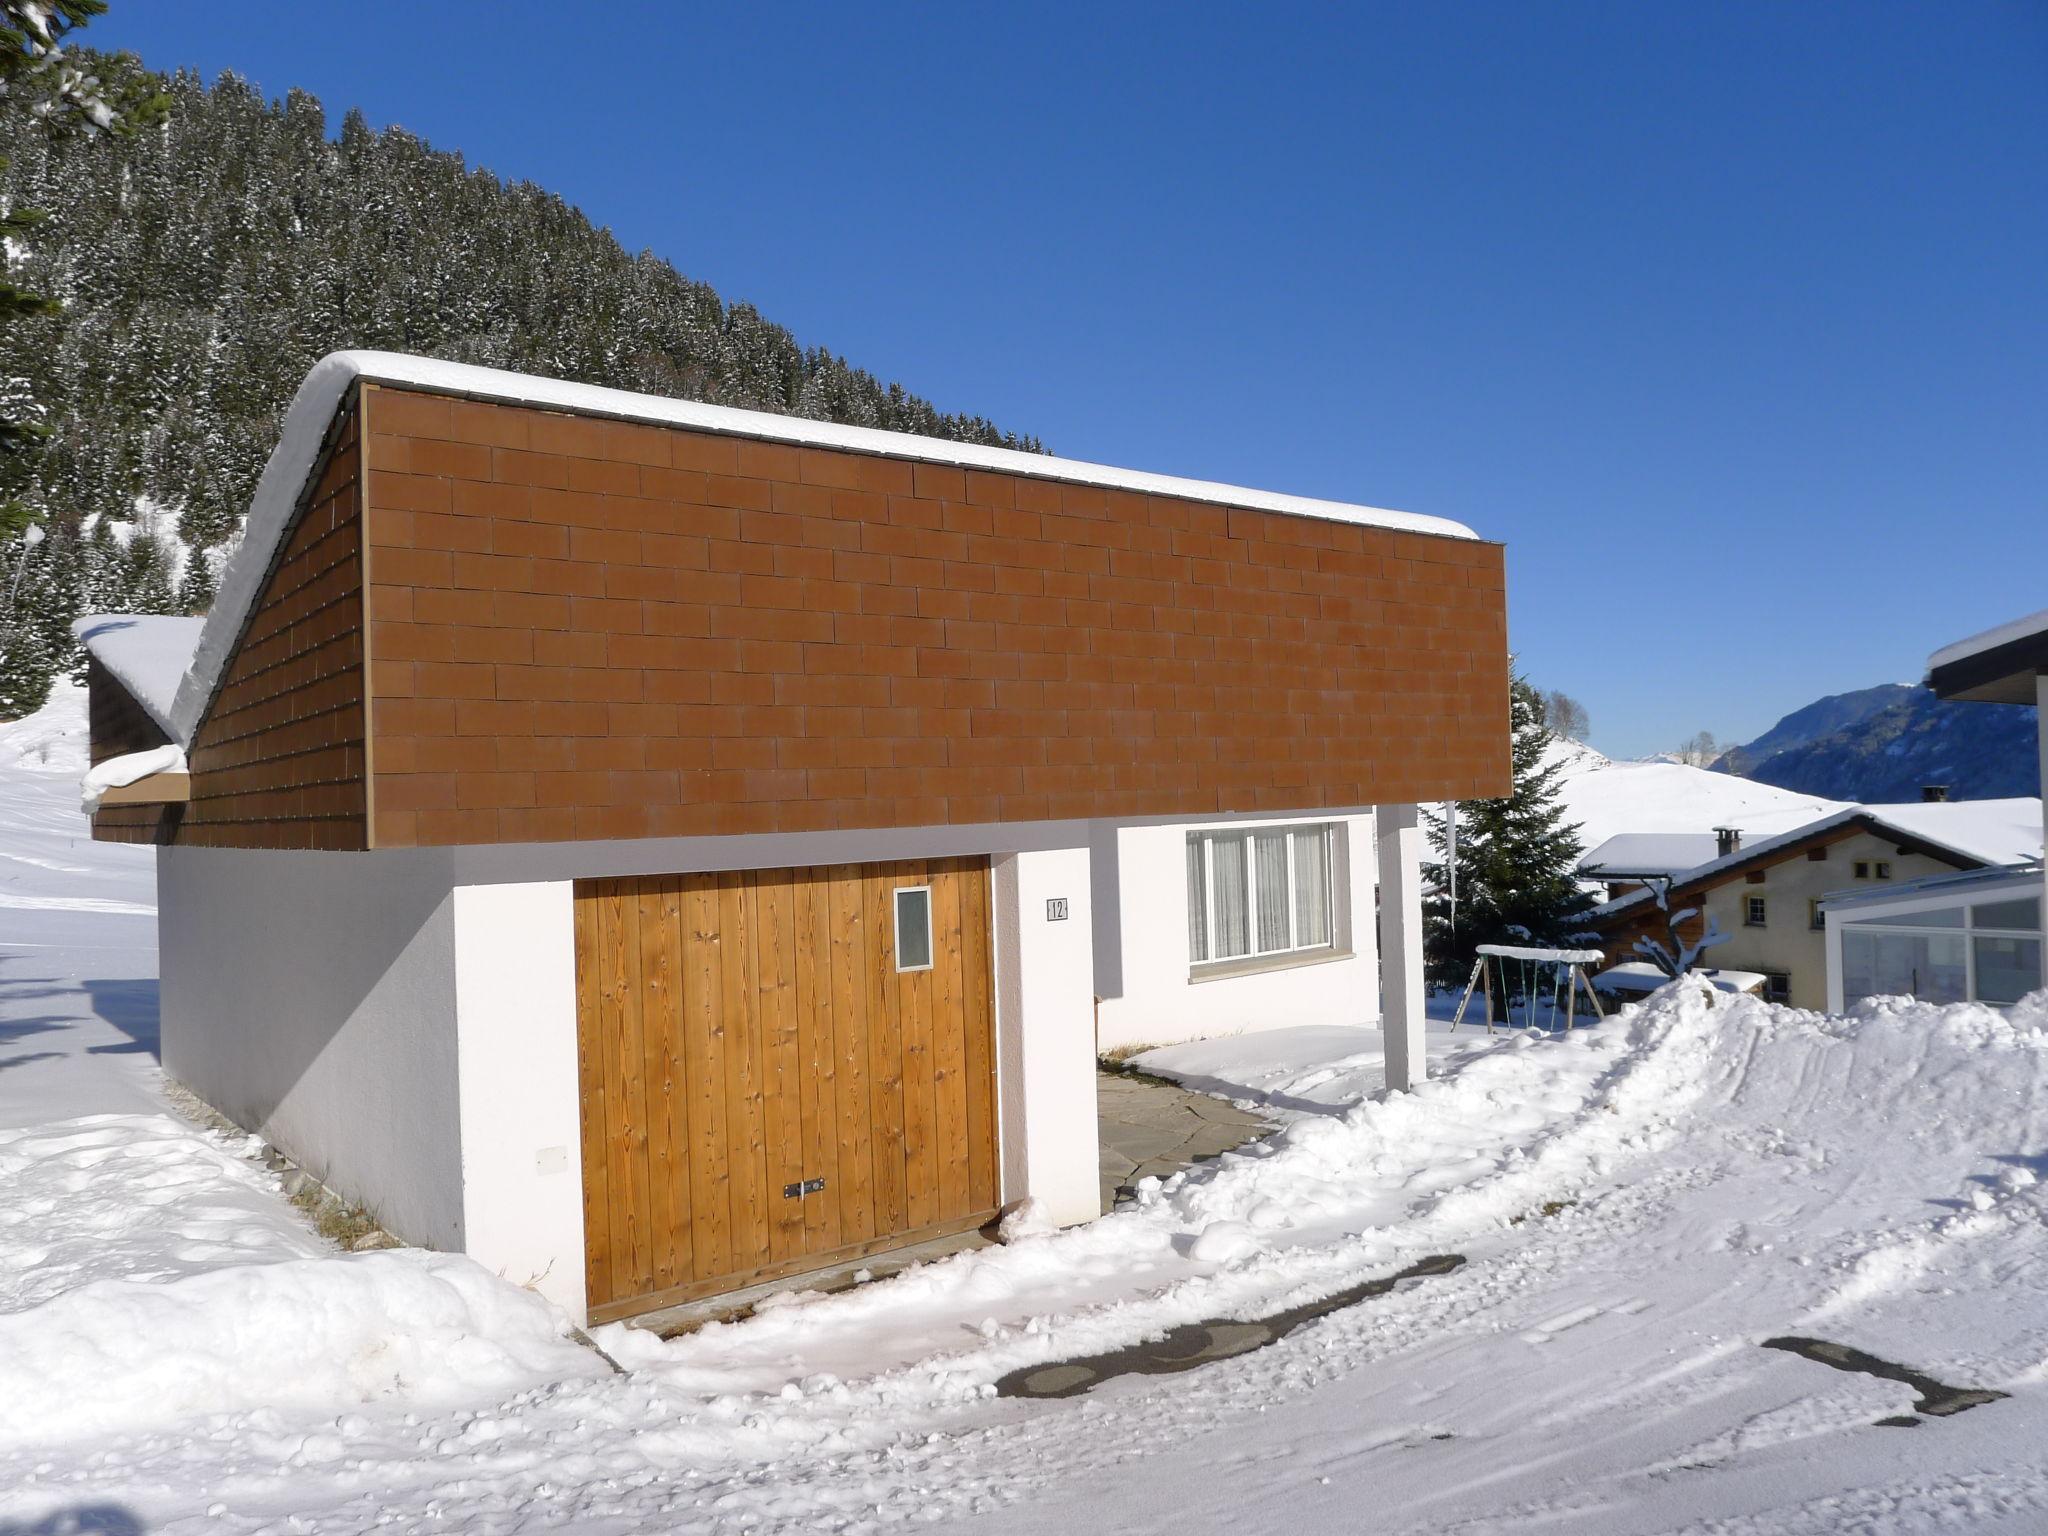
x: 518, y: 1085
x: 1045, y: 1034
x: 311, y: 998
x: 1141, y: 944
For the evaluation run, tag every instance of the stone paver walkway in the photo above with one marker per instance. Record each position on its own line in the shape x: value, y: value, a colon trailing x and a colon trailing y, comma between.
x: 1149, y: 1126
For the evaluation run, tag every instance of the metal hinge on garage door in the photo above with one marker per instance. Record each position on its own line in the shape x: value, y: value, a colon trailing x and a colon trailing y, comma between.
x: 798, y: 1191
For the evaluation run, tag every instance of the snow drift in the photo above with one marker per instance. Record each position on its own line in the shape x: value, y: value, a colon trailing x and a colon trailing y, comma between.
x: 318, y: 1335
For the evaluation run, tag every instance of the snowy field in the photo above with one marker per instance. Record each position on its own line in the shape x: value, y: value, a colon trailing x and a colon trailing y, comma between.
x: 1640, y: 1206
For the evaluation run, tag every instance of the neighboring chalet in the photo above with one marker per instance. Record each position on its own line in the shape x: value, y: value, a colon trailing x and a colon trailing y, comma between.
x: 656, y: 848
x: 1767, y: 897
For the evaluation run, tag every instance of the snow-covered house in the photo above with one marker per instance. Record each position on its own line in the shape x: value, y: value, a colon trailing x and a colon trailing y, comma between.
x: 1631, y: 859
x: 1768, y: 897
x: 655, y: 847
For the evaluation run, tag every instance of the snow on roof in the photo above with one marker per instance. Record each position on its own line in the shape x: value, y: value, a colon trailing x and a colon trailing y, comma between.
x: 1995, y: 831
x: 148, y: 653
x: 1991, y: 639
x: 312, y: 408
x: 1538, y: 953
x: 1641, y: 976
x: 1987, y: 833
x: 1650, y: 853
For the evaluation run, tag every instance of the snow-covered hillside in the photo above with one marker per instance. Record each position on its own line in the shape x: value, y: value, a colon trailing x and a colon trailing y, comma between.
x: 1638, y: 1207
x: 1606, y: 797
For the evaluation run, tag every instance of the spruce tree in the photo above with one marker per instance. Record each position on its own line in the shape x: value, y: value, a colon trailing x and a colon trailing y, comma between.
x: 1517, y: 859
x: 53, y: 93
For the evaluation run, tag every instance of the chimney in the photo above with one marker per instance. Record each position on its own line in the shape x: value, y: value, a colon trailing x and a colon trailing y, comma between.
x: 1727, y: 840
x: 1934, y: 794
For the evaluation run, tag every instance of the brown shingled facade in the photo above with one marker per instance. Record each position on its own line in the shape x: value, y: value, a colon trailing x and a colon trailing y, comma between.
x: 587, y: 628
x: 117, y: 726
x: 278, y: 760
x: 580, y: 628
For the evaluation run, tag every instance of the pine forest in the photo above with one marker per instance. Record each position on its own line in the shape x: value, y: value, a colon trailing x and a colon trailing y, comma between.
x: 206, y: 262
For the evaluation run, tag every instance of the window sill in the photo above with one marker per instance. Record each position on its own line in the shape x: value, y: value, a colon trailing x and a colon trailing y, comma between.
x: 1258, y: 965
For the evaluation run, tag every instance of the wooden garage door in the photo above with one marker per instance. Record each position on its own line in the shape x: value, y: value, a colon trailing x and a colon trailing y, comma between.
x: 764, y: 1091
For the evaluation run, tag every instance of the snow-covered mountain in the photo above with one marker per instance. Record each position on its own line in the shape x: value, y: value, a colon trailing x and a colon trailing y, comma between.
x: 1885, y: 743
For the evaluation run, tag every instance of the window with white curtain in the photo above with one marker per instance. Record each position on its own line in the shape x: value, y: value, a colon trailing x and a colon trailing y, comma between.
x: 1263, y: 892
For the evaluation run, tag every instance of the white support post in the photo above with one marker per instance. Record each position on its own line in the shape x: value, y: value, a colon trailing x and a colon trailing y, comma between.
x: 2041, y: 727
x: 1045, y: 1028
x: 1398, y: 836
x: 519, y: 1096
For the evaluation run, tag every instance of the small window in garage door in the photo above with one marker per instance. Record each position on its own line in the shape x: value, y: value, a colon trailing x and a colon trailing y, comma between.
x: 913, y: 928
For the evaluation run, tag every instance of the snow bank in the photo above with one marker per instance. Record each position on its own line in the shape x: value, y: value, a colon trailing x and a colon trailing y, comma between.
x: 129, y: 768
x: 141, y: 1197
x: 310, y: 1334
x: 151, y: 1273
x: 54, y: 739
x: 1327, y: 1201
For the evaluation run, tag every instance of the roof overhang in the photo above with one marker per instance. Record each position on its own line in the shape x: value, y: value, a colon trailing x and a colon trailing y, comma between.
x: 2000, y: 666
x: 157, y: 789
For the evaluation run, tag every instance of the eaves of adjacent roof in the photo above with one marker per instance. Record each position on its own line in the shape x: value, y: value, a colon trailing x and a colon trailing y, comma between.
x: 1997, y: 667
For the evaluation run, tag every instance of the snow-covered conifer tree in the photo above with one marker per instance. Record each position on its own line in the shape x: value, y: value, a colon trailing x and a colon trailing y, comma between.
x: 1517, y: 858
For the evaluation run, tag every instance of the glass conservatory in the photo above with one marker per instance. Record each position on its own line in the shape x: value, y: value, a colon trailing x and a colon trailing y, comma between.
x: 1956, y: 938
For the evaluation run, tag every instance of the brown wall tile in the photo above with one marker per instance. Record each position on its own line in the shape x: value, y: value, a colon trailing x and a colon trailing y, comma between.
x: 604, y: 629
x: 278, y: 761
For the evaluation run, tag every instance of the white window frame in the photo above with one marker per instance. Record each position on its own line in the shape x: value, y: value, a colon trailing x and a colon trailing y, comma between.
x: 1756, y: 912
x: 1336, y: 916
x: 931, y: 947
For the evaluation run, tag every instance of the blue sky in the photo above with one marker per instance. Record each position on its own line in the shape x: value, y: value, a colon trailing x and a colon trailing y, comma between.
x: 1730, y: 321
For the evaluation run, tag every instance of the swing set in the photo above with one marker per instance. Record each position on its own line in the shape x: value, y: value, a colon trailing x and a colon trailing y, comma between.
x: 1561, y: 971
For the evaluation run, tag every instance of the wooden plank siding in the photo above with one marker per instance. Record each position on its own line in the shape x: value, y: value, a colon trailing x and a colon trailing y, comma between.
x: 587, y: 628
x: 728, y: 1029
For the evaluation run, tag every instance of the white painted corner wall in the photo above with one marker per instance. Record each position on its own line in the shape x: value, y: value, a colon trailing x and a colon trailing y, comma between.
x: 1141, y: 944
x: 310, y: 997
x: 1045, y: 1033
x: 518, y: 1089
